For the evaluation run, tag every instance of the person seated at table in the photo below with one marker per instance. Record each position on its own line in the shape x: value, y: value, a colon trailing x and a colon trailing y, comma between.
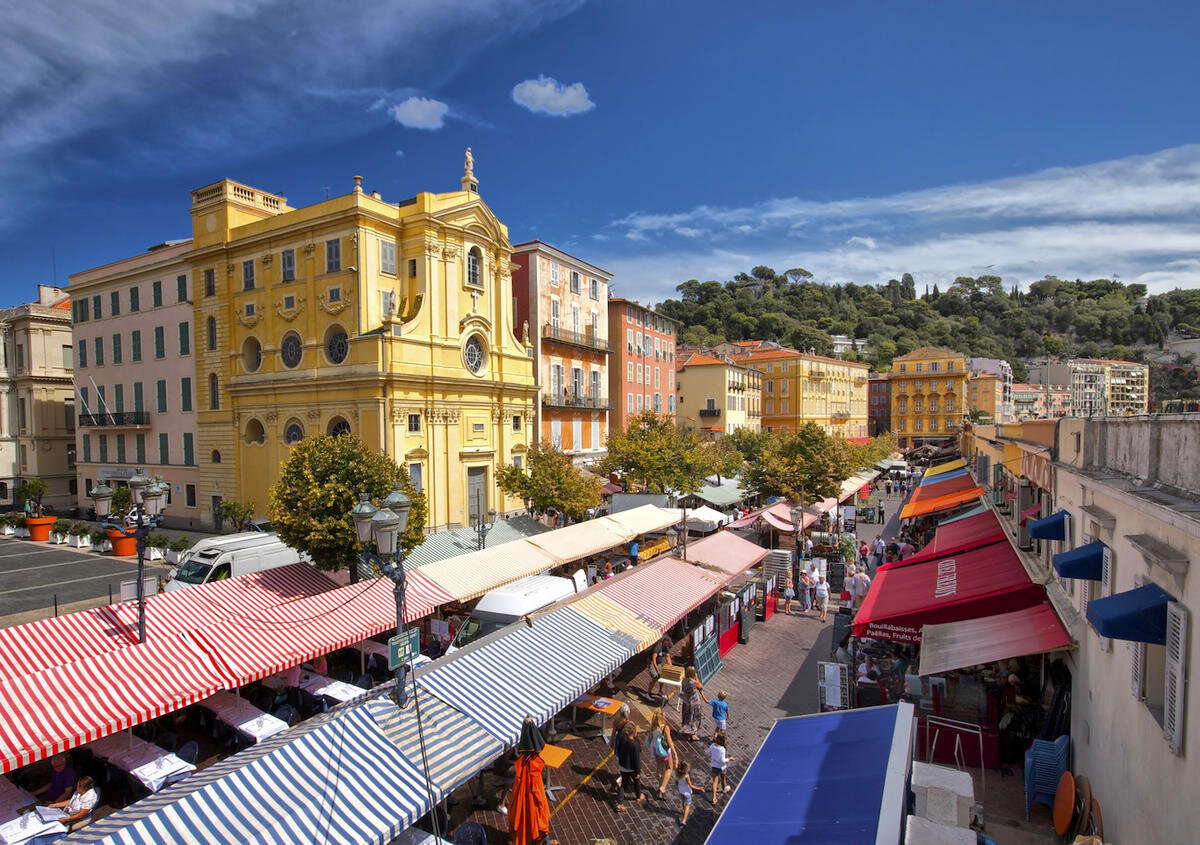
x: 62, y: 780
x: 291, y: 677
x: 82, y: 801
x: 866, y: 670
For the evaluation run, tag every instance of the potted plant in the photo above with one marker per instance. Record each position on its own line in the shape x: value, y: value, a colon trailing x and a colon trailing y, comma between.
x: 59, y: 530
x: 177, y: 547
x: 22, y: 530
x: 32, y: 491
x: 100, y: 541
x: 156, y: 546
x: 79, y: 536
x: 8, y: 524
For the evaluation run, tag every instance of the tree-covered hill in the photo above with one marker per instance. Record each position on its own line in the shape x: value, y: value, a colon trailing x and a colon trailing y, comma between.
x: 978, y: 316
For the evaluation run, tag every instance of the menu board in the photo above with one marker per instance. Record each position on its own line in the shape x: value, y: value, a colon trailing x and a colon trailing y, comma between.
x: 836, y: 576
x: 833, y: 687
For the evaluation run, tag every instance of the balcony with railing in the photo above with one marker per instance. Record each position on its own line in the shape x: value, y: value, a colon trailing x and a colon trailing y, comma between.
x: 840, y: 412
x: 118, y: 419
x: 575, y: 400
x: 710, y: 412
x: 586, y: 339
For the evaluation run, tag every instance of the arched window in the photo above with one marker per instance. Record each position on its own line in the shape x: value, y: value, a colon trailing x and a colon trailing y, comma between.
x: 291, y: 350
x: 338, y: 426
x: 293, y: 432
x: 255, y: 433
x: 475, y: 267
x: 212, y: 333
x: 214, y: 392
x: 216, y: 457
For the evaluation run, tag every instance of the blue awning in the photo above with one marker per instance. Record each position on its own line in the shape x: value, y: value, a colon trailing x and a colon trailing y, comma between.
x: 942, y: 476
x: 1139, y: 615
x: 1085, y: 562
x: 1052, y: 527
x: 565, y: 651
x: 825, y: 778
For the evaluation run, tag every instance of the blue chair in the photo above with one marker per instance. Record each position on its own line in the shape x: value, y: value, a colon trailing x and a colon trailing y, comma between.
x: 470, y: 833
x: 1045, y: 763
x: 189, y: 752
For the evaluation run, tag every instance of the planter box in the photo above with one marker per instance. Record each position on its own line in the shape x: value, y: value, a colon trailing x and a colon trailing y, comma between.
x: 22, y: 533
x: 79, y: 542
x: 173, y: 557
x: 39, y: 527
x: 155, y: 553
x: 7, y: 530
x: 57, y: 539
x: 106, y: 546
x: 122, y: 546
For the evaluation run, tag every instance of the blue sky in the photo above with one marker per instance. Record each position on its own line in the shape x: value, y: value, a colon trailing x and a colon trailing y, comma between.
x: 660, y: 140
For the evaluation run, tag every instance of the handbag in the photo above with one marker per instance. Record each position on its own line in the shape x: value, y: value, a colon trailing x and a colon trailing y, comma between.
x: 660, y: 747
x: 845, y: 595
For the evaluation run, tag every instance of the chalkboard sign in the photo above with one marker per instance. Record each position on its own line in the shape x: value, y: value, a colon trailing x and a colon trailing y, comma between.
x: 841, y: 627
x: 837, y: 576
x: 707, y: 659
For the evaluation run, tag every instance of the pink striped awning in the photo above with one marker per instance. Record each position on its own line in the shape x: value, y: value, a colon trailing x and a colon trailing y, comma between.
x: 726, y: 552
x: 663, y: 591
x: 61, y: 707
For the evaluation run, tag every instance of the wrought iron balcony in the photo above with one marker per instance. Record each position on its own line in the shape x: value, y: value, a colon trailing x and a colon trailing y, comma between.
x: 120, y: 419
x: 710, y: 412
x: 840, y: 412
x: 575, y: 400
x: 586, y: 339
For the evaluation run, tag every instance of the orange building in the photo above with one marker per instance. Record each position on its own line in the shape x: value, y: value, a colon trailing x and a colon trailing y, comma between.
x: 641, y: 370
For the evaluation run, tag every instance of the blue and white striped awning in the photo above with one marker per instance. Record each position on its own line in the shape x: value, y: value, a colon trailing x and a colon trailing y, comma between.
x: 456, y: 746
x: 341, y: 782
x: 534, y: 671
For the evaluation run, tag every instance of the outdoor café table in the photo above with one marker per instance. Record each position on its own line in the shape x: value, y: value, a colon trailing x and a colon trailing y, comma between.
x: 151, y: 765
x: 605, y: 706
x: 26, y: 827
x: 243, y: 716
x: 553, y: 756
x: 672, y: 676
x: 13, y: 799
x: 337, y: 690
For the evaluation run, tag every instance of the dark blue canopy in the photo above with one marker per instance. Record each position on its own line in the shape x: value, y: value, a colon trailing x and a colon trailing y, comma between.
x: 1052, y: 527
x: 1085, y: 562
x: 1139, y: 615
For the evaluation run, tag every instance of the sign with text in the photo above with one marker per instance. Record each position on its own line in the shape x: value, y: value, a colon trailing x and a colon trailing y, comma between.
x: 403, y: 647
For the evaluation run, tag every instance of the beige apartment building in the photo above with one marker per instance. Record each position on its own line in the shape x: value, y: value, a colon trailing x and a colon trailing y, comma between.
x: 1100, y: 387
x: 985, y: 395
x: 37, y: 414
x: 134, y: 376
x: 717, y: 397
x: 799, y: 388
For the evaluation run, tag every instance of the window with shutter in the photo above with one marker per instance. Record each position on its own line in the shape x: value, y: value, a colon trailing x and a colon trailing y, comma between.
x: 1137, y: 660
x: 1176, y: 676
x: 1106, y: 582
x: 1085, y: 595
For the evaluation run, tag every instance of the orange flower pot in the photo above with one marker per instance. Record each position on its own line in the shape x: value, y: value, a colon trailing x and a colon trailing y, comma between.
x: 39, y: 527
x: 122, y: 546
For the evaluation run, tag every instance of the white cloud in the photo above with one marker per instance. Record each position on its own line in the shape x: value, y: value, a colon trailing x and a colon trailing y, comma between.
x: 1134, y: 217
x: 546, y: 95
x: 399, y: 153
x: 420, y: 113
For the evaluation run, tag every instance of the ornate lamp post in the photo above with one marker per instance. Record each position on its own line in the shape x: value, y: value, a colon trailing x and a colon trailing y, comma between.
x: 147, y: 499
x: 383, y: 526
x: 482, y: 524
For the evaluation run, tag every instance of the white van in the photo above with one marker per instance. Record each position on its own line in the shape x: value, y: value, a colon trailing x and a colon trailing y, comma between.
x: 220, y: 560
x: 217, y: 542
x: 505, y: 605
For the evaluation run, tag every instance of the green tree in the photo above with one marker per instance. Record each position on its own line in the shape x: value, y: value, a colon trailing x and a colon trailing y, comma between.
x: 654, y: 452
x: 749, y: 443
x: 550, y: 480
x: 803, y: 465
x: 33, y: 489
x: 319, y: 484
x: 238, y: 514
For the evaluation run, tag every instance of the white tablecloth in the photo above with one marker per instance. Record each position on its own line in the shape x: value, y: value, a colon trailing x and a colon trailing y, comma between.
x: 337, y: 690
x: 147, y: 762
x: 26, y: 827
x: 241, y: 714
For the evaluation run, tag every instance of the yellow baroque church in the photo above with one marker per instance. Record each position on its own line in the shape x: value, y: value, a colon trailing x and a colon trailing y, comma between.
x: 391, y: 321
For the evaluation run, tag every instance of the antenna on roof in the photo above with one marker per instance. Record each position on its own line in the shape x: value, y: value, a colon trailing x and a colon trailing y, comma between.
x: 326, y: 190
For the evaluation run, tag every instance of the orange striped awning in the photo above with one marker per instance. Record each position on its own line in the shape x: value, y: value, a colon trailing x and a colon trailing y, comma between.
x: 940, y: 503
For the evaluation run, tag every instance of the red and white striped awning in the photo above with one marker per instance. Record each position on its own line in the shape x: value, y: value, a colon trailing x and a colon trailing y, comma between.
x: 727, y: 552
x: 663, y: 591
x: 61, y: 707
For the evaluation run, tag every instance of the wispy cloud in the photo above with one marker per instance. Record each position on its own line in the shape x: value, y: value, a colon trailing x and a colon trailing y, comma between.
x: 141, y: 85
x: 1134, y: 217
x: 546, y: 95
x: 420, y: 113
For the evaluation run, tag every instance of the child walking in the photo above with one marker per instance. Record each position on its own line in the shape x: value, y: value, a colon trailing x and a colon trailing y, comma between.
x: 720, y: 713
x: 685, y: 790
x: 718, y: 761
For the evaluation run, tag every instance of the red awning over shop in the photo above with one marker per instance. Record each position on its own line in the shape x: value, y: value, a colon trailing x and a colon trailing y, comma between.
x: 778, y: 516
x: 956, y: 645
x: 610, y: 487
x: 726, y: 552
x: 941, y: 503
x: 956, y: 537
x: 977, y: 583
x: 663, y: 591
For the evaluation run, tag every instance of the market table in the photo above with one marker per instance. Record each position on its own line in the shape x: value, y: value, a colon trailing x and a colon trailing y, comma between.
x: 337, y: 690
x: 671, y: 676
x: 553, y: 756
x: 26, y: 827
x: 152, y: 766
x: 605, y: 706
x: 243, y: 716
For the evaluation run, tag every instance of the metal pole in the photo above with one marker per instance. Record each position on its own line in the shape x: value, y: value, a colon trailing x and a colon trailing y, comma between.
x: 398, y: 579
x: 141, y: 533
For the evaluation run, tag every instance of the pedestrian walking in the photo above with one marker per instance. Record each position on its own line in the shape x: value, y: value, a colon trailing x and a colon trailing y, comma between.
x: 690, y: 694
x: 718, y: 761
x: 629, y: 763
x: 821, y: 592
x: 686, y: 787
x: 808, y: 546
x: 663, y: 748
x: 789, y: 593
x: 720, y: 712
x: 862, y: 583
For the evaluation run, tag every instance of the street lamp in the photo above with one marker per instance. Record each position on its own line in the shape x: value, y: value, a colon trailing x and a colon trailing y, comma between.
x: 383, y: 526
x: 147, y: 499
x: 482, y: 524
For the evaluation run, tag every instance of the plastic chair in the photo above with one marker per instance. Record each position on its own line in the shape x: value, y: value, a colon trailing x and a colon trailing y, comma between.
x: 1044, y: 764
x: 189, y: 752
x: 309, y: 704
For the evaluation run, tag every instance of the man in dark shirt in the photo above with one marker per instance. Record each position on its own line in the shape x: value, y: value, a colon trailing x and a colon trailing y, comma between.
x: 62, y: 780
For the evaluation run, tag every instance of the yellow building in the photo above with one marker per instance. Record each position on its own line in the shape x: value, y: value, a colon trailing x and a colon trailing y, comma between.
x: 717, y: 397
x: 985, y: 394
x: 928, y: 390
x: 391, y: 321
x: 799, y: 388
